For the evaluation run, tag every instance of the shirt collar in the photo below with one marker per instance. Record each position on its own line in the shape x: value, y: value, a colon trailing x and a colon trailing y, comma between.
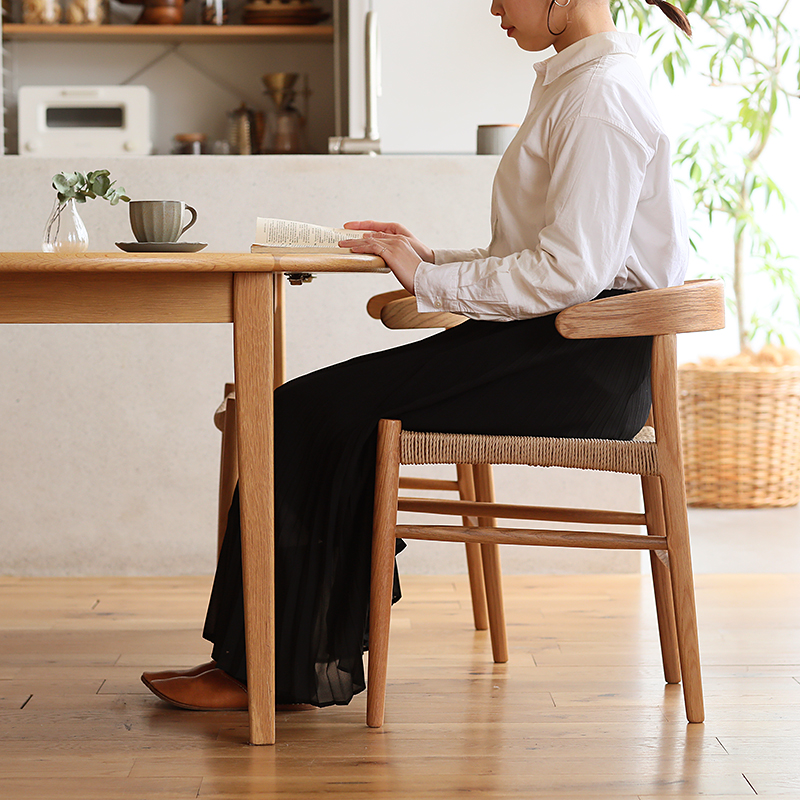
x: 586, y: 50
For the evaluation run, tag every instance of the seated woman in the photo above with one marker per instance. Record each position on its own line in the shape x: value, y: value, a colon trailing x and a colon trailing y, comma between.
x: 583, y: 206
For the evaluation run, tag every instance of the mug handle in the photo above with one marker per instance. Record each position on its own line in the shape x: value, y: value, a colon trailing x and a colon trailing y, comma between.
x: 193, y: 220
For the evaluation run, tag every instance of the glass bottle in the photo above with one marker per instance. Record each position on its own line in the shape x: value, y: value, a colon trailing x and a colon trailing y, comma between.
x: 41, y: 12
x: 85, y: 12
x: 64, y: 231
x: 286, y: 133
x: 189, y: 144
x: 214, y: 12
x: 245, y: 128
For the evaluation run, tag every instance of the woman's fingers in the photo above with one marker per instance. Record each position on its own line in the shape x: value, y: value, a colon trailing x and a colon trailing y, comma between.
x: 395, y: 250
x: 371, y: 245
x: 375, y: 237
x: 382, y: 245
x: 379, y: 227
x: 387, y: 231
x: 364, y: 244
x: 376, y: 228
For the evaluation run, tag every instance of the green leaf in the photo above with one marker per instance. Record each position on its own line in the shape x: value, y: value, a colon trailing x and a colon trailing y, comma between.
x: 100, y: 184
x: 669, y: 68
x: 79, y: 187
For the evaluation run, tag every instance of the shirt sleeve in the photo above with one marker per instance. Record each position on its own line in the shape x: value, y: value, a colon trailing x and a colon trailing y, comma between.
x: 449, y: 256
x: 597, y: 172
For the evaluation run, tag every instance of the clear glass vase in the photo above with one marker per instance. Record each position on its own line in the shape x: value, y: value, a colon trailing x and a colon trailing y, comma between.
x: 65, y: 231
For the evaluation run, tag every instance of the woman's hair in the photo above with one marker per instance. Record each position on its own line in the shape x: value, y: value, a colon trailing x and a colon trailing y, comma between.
x: 674, y: 14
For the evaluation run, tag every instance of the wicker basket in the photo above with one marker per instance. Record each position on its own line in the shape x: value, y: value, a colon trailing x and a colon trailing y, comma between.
x: 741, y: 436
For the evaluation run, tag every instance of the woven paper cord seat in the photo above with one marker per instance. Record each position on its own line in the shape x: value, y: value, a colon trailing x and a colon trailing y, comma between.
x: 637, y: 457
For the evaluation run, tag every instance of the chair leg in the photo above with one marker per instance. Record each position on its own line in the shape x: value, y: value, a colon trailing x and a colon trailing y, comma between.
x: 680, y: 560
x: 466, y: 491
x: 654, y: 511
x: 228, y: 465
x: 492, y: 574
x: 382, y: 570
x: 676, y: 521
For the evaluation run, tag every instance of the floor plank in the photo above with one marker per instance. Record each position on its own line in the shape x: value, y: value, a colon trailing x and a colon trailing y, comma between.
x: 579, y: 711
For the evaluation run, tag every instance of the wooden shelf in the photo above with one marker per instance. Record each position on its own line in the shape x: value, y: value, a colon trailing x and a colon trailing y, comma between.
x: 206, y: 34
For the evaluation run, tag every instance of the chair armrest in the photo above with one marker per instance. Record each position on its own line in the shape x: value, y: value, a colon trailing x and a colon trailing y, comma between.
x: 694, y: 306
x: 402, y: 314
x: 375, y: 304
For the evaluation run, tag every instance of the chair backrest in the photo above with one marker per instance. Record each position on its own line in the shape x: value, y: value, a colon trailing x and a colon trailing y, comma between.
x: 694, y: 306
x: 660, y: 313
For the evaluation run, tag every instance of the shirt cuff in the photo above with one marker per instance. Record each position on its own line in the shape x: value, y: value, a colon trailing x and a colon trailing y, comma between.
x: 449, y: 256
x: 435, y: 286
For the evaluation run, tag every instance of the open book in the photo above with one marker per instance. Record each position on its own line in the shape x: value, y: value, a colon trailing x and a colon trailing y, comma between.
x: 282, y: 235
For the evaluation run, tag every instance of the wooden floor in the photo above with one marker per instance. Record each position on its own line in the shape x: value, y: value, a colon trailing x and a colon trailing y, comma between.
x: 580, y: 710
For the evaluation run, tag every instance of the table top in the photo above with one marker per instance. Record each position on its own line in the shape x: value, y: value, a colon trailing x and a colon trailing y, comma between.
x: 295, y: 262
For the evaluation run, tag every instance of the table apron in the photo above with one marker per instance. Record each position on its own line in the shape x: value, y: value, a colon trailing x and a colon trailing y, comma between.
x: 111, y: 297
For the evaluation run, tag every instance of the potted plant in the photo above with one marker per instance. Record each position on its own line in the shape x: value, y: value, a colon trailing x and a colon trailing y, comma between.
x: 740, y: 415
x: 64, y: 231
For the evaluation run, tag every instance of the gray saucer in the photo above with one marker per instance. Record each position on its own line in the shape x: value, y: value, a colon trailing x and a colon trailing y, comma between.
x: 161, y: 247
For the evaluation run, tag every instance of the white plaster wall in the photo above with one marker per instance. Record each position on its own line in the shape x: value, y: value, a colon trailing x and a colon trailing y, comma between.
x: 108, y: 453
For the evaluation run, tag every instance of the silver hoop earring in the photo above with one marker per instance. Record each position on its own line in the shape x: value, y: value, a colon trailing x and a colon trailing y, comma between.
x: 550, y: 11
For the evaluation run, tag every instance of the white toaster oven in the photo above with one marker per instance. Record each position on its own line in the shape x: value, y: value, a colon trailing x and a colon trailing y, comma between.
x: 84, y: 120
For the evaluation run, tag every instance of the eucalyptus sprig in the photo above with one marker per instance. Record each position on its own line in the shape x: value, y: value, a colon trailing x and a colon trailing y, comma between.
x: 81, y: 187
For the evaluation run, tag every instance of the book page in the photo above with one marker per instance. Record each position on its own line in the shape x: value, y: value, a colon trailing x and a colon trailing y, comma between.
x: 287, y: 233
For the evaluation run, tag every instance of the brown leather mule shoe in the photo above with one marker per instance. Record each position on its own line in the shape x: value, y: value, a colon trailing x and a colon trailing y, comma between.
x: 213, y: 690
x: 148, y: 677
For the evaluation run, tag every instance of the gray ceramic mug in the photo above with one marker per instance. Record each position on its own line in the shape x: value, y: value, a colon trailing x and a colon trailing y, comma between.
x: 159, y: 220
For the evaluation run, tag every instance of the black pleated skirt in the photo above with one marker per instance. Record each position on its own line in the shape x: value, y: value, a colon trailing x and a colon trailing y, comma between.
x: 518, y: 378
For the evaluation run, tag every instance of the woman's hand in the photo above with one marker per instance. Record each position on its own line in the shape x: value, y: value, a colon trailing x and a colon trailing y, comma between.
x: 395, y: 244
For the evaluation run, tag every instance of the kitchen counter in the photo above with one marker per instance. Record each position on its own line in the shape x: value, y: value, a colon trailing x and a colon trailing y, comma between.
x: 443, y: 198
x: 97, y: 416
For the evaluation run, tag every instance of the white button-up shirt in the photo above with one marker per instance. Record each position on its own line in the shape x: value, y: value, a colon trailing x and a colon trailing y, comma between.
x: 583, y: 198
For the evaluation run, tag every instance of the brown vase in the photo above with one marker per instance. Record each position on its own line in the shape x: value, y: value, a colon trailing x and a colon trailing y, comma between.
x: 159, y: 12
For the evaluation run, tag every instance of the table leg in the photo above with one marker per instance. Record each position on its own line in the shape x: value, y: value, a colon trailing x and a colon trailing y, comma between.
x: 253, y: 363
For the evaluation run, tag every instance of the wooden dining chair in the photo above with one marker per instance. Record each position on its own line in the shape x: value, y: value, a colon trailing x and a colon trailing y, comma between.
x: 225, y: 420
x: 655, y: 455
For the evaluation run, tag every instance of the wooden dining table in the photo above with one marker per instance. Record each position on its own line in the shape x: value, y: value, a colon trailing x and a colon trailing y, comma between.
x: 240, y: 288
